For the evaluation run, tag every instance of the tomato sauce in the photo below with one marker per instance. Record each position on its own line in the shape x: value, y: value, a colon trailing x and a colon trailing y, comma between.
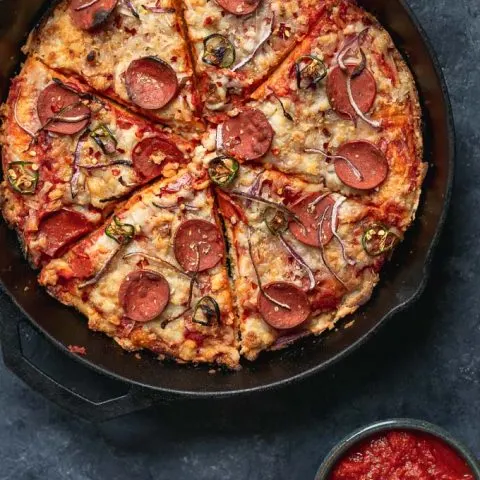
x: 402, y: 455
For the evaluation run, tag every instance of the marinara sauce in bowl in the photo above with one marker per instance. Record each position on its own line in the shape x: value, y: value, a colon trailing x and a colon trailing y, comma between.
x: 400, y: 449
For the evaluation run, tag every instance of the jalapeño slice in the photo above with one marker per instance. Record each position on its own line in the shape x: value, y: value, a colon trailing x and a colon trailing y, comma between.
x: 218, y: 51
x: 223, y: 170
x: 309, y: 70
x: 378, y: 239
x: 23, y: 177
x: 122, y: 233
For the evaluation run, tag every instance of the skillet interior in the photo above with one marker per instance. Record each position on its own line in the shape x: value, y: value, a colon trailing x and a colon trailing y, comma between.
x: 402, y: 280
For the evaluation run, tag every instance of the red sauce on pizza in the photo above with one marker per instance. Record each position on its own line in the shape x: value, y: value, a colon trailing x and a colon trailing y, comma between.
x: 402, y: 455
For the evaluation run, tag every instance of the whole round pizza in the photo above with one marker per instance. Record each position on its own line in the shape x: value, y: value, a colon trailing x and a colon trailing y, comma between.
x: 209, y: 179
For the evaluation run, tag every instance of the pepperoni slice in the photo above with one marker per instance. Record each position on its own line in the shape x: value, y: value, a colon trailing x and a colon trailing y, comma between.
x: 200, y: 236
x: 364, y: 91
x: 152, y: 154
x: 90, y: 14
x: 310, y: 211
x: 52, y: 101
x: 151, y: 83
x: 247, y: 136
x: 63, y: 228
x: 144, y: 294
x: 239, y: 7
x: 288, y: 294
x: 371, y: 166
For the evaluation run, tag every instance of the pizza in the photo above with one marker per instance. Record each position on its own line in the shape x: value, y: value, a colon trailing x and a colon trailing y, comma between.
x: 300, y: 255
x: 154, y: 276
x: 133, y: 51
x: 70, y: 156
x: 208, y: 180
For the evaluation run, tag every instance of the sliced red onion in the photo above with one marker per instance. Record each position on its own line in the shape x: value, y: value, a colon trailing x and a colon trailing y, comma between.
x: 159, y: 9
x: 86, y: 5
x: 15, y: 116
x: 322, y: 248
x: 299, y: 260
x: 347, y: 47
x: 76, y: 159
x: 102, y: 270
x: 259, y: 281
x: 373, y: 123
x: 126, y: 163
x: 255, y: 188
x: 131, y: 9
x: 156, y: 259
x: 286, y: 340
x: 311, y: 206
x: 339, y: 202
x: 219, y: 138
x: 265, y: 36
x: 354, y: 169
x: 186, y: 206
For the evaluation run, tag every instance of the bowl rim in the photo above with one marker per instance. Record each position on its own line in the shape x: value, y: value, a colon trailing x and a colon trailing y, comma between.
x: 339, y: 450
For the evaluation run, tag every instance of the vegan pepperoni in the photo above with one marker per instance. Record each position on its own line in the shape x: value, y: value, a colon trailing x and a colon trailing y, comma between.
x: 247, y: 136
x: 144, y: 295
x: 239, y: 7
x: 364, y: 91
x: 198, y: 245
x: 57, y: 102
x: 61, y: 229
x: 310, y: 211
x: 152, y: 154
x: 288, y: 294
x: 151, y: 83
x: 368, y: 161
x: 90, y: 14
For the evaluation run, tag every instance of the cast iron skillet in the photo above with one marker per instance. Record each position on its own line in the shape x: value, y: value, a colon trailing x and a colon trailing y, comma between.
x: 151, y: 381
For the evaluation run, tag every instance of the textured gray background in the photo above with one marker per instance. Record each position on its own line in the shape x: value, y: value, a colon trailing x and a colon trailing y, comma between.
x: 425, y: 364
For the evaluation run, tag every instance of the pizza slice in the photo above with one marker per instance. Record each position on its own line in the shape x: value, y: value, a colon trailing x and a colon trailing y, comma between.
x: 354, y: 128
x: 154, y: 276
x: 69, y: 156
x: 302, y: 257
x: 237, y: 43
x: 132, y: 51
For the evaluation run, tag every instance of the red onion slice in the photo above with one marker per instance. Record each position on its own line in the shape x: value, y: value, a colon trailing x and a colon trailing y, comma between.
x: 322, y: 248
x: 373, y: 123
x: 86, y: 5
x: 219, y: 138
x: 102, y: 270
x: 299, y: 260
x: 347, y: 47
x: 159, y: 9
x: 156, y: 259
x: 265, y: 36
x: 76, y: 160
x: 354, y: 169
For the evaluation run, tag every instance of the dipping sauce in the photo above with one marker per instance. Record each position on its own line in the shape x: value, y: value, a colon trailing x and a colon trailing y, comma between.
x: 402, y: 455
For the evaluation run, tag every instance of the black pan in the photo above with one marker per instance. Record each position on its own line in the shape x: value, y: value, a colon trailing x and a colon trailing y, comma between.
x: 151, y: 381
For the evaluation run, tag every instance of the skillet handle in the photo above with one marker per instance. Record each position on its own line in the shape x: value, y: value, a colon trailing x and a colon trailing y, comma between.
x: 135, y: 398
